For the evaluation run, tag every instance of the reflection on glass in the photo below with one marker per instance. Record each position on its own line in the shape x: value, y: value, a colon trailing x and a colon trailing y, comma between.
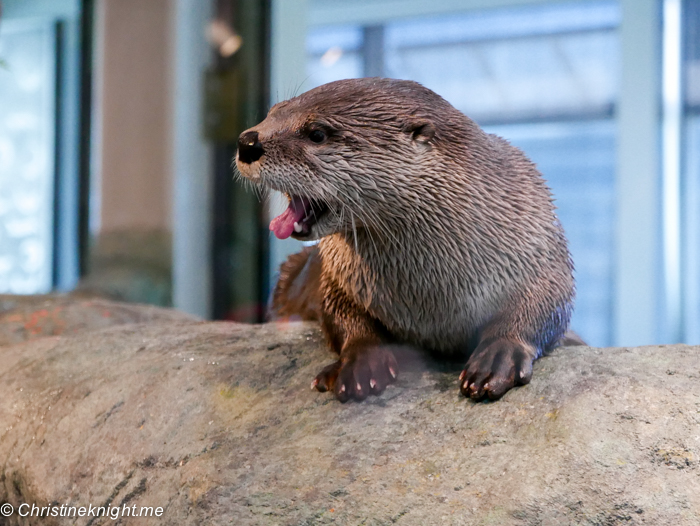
x: 333, y: 53
x: 26, y: 156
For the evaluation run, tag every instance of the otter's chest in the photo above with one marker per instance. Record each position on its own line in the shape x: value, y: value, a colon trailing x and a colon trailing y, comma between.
x: 426, y: 299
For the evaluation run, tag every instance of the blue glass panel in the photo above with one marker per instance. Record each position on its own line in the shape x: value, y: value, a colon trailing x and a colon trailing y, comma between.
x: 518, y: 63
x: 347, y: 66
x: 690, y: 286
x: 691, y: 52
x: 504, y: 23
x: 578, y: 161
x: 319, y: 40
x: 691, y: 239
x: 26, y: 156
x: 334, y: 53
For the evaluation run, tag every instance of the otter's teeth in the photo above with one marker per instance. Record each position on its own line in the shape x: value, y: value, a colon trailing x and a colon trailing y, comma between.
x: 297, y: 227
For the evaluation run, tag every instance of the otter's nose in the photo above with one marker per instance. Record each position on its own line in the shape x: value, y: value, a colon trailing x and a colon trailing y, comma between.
x: 250, y: 149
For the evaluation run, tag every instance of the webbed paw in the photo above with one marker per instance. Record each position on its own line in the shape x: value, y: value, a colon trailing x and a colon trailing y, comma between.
x: 365, y: 372
x: 495, y: 368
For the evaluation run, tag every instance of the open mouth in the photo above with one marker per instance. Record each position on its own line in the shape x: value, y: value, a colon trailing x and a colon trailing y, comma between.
x: 298, y: 218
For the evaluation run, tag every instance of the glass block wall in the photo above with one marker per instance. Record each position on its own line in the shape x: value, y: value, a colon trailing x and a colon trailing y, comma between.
x: 27, y: 92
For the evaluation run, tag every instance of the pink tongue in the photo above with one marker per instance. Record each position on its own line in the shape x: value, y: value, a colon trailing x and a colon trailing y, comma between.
x: 283, y: 224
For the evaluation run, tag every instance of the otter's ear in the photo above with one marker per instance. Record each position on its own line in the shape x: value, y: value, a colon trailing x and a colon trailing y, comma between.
x: 421, y: 130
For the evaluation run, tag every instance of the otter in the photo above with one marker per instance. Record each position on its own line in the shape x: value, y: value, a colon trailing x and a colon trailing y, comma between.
x: 433, y: 233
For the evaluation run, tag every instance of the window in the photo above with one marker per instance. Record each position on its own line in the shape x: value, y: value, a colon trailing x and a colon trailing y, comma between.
x: 334, y: 53
x: 43, y: 101
x: 26, y: 156
x: 690, y: 187
x: 545, y: 78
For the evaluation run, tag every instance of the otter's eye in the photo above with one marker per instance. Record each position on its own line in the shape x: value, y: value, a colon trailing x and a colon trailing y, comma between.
x: 317, y: 136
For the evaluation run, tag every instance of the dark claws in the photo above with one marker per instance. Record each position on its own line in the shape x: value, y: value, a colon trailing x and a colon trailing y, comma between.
x: 365, y: 372
x: 497, y: 367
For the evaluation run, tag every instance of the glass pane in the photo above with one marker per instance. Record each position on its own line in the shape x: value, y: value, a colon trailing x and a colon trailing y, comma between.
x: 691, y: 16
x: 691, y: 191
x: 534, y: 62
x: 578, y: 161
x: 545, y: 78
x: 691, y: 180
x: 505, y: 23
x: 334, y: 53
x: 26, y: 156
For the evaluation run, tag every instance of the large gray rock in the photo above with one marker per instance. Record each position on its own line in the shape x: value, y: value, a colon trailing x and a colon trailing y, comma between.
x: 216, y: 424
x: 29, y: 317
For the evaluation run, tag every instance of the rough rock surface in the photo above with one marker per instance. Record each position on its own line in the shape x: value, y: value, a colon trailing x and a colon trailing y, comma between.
x: 216, y: 423
x: 28, y: 317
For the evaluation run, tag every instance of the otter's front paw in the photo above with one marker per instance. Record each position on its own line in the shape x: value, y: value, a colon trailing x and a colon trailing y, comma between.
x: 358, y: 375
x: 496, y: 367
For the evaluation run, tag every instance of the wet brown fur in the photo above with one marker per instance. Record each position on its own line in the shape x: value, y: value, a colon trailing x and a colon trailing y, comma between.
x: 439, y: 235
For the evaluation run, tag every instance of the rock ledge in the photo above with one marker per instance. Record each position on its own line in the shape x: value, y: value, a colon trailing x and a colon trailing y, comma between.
x: 216, y: 424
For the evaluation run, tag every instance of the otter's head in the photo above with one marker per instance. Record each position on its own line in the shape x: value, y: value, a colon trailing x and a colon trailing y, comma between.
x: 349, y: 154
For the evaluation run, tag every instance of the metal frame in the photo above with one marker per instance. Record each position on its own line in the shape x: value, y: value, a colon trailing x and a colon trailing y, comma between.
x: 66, y: 258
x: 371, y: 12
x: 638, y: 291
x: 192, y: 159
x: 86, y: 137
x: 671, y: 132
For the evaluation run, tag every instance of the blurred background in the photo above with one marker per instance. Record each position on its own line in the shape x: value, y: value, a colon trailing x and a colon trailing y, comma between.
x: 119, y: 119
